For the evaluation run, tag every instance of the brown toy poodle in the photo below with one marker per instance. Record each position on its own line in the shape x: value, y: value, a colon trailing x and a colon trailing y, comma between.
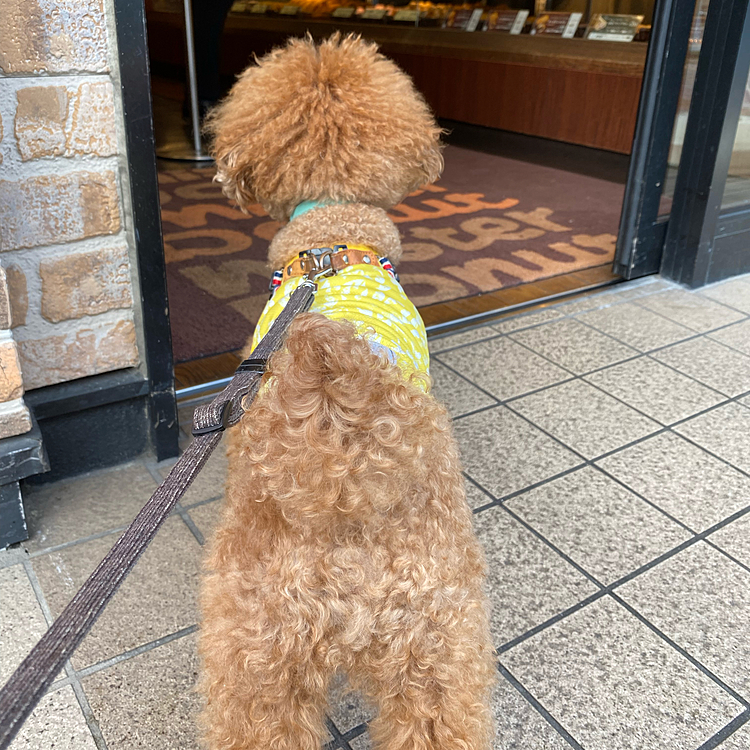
x: 346, y: 543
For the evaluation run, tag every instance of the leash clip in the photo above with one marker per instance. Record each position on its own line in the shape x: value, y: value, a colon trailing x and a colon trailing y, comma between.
x: 320, y: 268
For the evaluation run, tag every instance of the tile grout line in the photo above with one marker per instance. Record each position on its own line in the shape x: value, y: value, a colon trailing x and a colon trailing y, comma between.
x: 108, y: 532
x: 499, y: 401
x: 591, y: 578
x: 639, y: 411
x: 726, y: 554
x: 697, y: 664
x: 137, y: 651
x: 737, y: 723
x: 338, y: 741
x: 694, y: 334
x: 609, y: 590
x: 702, y: 534
x: 188, y: 521
x: 72, y: 675
x: 355, y: 732
x: 548, y: 623
x: 707, y: 299
x: 540, y: 709
x: 650, y: 503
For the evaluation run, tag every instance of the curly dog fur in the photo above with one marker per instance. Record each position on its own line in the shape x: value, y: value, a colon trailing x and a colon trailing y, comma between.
x: 346, y: 543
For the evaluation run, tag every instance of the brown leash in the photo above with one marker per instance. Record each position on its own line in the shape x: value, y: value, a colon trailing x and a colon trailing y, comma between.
x: 30, y: 681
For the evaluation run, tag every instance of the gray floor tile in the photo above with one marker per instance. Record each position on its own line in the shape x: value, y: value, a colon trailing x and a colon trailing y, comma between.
x: 739, y: 740
x: 75, y: 508
x: 348, y: 708
x: 636, y: 326
x: 206, y: 517
x: 458, y: 396
x: 22, y: 623
x: 57, y: 722
x: 584, y: 418
x: 607, y: 530
x: 527, y: 320
x: 734, y: 292
x: 442, y: 343
x: 149, y: 701
x: 504, y: 453
x: 157, y: 598
x: 362, y: 742
x: 528, y: 582
x: 655, y: 389
x: 701, y: 600
x: 518, y: 725
x: 723, y: 431
x: 614, y: 684
x: 504, y: 368
x: 680, y: 478
x: 735, y: 538
x: 574, y: 346
x: 690, y: 309
x: 212, y: 479
x: 737, y: 336
x: 715, y: 365
x: 589, y: 302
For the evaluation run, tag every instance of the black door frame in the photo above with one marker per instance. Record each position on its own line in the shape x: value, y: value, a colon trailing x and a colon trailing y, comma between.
x: 135, y: 82
x: 641, y: 234
x: 697, y: 243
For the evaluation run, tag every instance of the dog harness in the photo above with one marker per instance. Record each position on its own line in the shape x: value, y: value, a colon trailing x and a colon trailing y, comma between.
x: 365, y: 291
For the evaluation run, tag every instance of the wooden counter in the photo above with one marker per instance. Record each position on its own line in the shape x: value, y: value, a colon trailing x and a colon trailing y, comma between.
x: 571, y: 90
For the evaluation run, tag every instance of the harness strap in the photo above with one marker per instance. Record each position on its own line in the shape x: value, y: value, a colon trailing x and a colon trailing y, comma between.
x: 35, y: 674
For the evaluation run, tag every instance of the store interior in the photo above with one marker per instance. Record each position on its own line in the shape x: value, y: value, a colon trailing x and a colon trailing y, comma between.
x: 538, y: 128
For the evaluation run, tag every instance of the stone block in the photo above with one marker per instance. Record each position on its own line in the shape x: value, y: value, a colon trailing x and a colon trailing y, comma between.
x: 85, y: 284
x: 18, y: 293
x: 14, y: 419
x: 11, y: 384
x: 54, y: 209
x: 58, y: 358
x: 53, y: 36
x: 62, y: 121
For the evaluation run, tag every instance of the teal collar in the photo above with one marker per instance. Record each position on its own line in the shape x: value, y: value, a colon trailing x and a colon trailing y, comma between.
x: 306, y: 206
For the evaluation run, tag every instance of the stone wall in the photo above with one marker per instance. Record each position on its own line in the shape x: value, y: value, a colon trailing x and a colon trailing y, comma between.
x: 65, y: 241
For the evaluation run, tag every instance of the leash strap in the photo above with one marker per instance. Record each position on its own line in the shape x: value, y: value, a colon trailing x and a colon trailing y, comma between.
x: 35, y: 674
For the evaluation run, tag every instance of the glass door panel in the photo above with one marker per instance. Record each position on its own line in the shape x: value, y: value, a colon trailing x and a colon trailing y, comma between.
x: 686, y: 93
x: 737, y: 188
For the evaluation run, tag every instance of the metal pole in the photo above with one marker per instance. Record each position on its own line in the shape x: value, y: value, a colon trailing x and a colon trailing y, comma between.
x: 193, y: 83
x: 179, y: 150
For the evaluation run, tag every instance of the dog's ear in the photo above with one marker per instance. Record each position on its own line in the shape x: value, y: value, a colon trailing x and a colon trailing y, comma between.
x: 335, y: 121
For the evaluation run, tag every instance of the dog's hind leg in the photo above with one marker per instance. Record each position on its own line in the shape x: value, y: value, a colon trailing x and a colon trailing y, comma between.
x: 265, y: 680
x: 432, y: 685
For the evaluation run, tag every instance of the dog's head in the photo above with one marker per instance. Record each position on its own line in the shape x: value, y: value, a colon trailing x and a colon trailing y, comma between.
x: 330, y: 122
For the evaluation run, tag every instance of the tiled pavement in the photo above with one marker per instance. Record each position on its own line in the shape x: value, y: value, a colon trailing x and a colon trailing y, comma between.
x: 606, y: 443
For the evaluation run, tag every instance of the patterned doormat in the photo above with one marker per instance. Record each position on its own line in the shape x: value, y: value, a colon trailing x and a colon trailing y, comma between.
x: 489, y: 223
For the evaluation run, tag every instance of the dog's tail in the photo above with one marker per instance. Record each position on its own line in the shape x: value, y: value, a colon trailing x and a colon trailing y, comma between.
x: 337, y: 431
